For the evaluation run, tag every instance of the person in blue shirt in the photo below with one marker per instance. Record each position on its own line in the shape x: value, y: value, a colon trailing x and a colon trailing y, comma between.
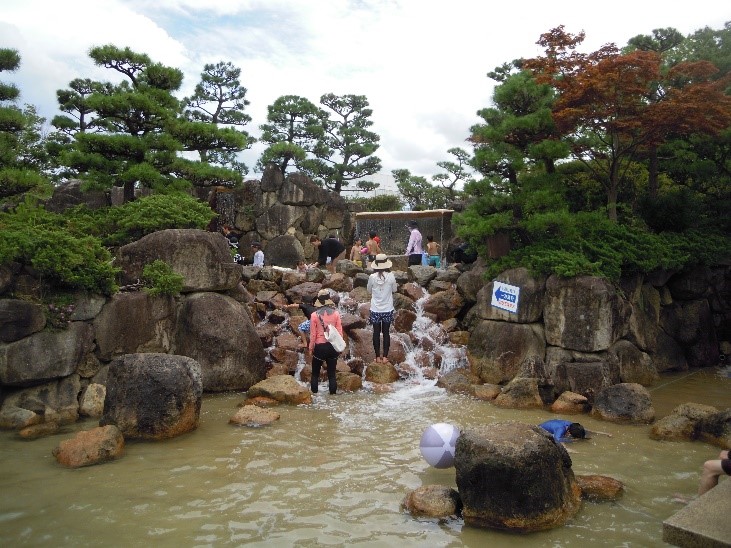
x: 564, y: 430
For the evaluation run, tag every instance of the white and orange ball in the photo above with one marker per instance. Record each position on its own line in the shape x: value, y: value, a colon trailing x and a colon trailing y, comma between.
x: 438, y: 443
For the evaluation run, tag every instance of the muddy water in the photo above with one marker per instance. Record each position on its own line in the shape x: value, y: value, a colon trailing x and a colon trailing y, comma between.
x: 332, y: 474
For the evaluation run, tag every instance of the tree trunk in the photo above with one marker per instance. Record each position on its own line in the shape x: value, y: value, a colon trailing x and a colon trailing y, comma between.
x: 129, y: 191
x: 652, y: 185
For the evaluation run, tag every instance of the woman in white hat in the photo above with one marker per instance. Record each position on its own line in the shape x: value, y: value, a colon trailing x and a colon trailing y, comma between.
x: 322, y: 351
x: 381, y: 286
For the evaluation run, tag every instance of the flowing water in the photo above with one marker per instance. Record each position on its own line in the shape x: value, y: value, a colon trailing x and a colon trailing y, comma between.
x: 334, y: 473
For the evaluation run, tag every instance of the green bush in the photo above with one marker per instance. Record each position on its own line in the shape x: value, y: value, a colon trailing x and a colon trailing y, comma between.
x: 588, y: 243
x: 120, y: 225
x: 160, y: 279
x: 60, y: 257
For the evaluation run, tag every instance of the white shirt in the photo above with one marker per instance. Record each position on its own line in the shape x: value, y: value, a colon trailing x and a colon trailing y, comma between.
x: 382, y: 290
x: 259, y: 258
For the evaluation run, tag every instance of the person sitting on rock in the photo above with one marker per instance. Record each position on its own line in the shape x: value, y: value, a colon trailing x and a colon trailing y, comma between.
x: 563, y: 430
x: 712, y: 469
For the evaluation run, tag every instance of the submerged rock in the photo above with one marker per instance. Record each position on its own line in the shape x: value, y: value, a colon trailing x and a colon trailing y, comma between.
x: 433, y: 501
x: 89, y: 447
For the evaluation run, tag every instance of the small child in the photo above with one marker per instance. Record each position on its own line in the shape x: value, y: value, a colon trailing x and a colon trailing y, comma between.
x: 307, y: 306
x: 355, y: 252
x: 432, y: 250
x: 301, y: 266
x: 373, y: 246
x: 258, y: 254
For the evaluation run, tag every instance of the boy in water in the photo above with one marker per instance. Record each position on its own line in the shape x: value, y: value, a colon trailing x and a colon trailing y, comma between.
x: 564, y: 430
x: 432, y: 250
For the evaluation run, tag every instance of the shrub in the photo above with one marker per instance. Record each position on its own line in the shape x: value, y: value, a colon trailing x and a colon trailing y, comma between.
x: 120, y: 225
x: 39, y: 239
x: 160, y: 279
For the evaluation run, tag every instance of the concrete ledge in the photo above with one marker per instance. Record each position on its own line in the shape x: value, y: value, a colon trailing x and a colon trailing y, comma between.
x: 704, y: 523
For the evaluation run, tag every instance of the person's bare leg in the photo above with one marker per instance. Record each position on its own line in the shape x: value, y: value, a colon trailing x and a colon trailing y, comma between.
x: 709, y: 476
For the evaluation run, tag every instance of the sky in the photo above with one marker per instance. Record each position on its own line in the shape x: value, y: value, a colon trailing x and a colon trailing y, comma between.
x: 422, y: 64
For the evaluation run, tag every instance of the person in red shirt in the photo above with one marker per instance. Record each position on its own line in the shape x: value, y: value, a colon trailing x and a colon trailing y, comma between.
x: 322, y: 351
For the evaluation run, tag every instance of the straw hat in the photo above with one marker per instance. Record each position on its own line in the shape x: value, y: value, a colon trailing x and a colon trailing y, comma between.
x: 381, y: 262
x: 323, y: 299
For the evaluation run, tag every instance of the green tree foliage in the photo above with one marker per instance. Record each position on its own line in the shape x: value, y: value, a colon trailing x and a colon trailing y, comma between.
x: 41, y: 240
x: 516, y: 151
x: 418, y: 193
x: 382, y: 202
x: 588, y: 243
x: 79, y: 117
x: 608, y: 110
x: 346, y: 151
x: 455, y: 172
x: 698, y: 163
x: 220, y: 99
x: 160, y: 279
x: 21, y: 152
x: 602, y: 109
x: 119, y: 225
x: 144, y: 131
x: 293, y: 130
x: 70, y: 250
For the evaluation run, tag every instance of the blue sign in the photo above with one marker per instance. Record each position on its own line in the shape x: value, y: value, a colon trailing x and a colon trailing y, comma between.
x: 505, y: 296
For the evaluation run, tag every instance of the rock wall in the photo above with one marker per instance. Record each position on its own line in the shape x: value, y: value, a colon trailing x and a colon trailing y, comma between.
x: 589, y: 333
x: 592, y: 334
x: 281, y: 213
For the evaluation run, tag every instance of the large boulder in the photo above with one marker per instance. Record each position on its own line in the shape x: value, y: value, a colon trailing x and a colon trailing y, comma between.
x: 644, y: 319
x: 584, y: 313
x: 716, y: 429
x: 515, y: 477
x: 70, y: 195
x: 217, y: 331
x: 683, y: 423
x: 624, y: 403
x: 45, y: 355
x: 470, y: 282
x: 582, y: 372
x: 530, y: 302
x: 634, y: 365
x: 19, y: 319
x: 202, y: 258
x: 284, y: 250
x: 691, y: 324
x: 134, y: 322
x: 55, y: 401
x: 444, y: 304
x: 520, y: 393
x: 153, y: 396
x: 496, y: 350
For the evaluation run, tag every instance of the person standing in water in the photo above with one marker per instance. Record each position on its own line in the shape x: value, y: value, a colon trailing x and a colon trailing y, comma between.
x: 373, y: 246
x: 322, y: 351
x: 413, y: 248
x: 381, y: 286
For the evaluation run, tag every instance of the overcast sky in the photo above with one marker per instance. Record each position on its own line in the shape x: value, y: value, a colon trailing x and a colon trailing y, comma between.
x: 422, y: 64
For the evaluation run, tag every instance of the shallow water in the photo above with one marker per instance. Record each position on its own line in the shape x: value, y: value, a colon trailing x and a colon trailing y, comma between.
x: 333, y: 474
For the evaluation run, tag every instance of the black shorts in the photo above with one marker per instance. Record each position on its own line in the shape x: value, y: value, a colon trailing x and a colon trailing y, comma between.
x: 415, y: 259
x: 726, y: 466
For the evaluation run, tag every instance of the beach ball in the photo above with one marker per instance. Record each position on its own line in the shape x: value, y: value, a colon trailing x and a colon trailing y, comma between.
x: 437, y: 444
